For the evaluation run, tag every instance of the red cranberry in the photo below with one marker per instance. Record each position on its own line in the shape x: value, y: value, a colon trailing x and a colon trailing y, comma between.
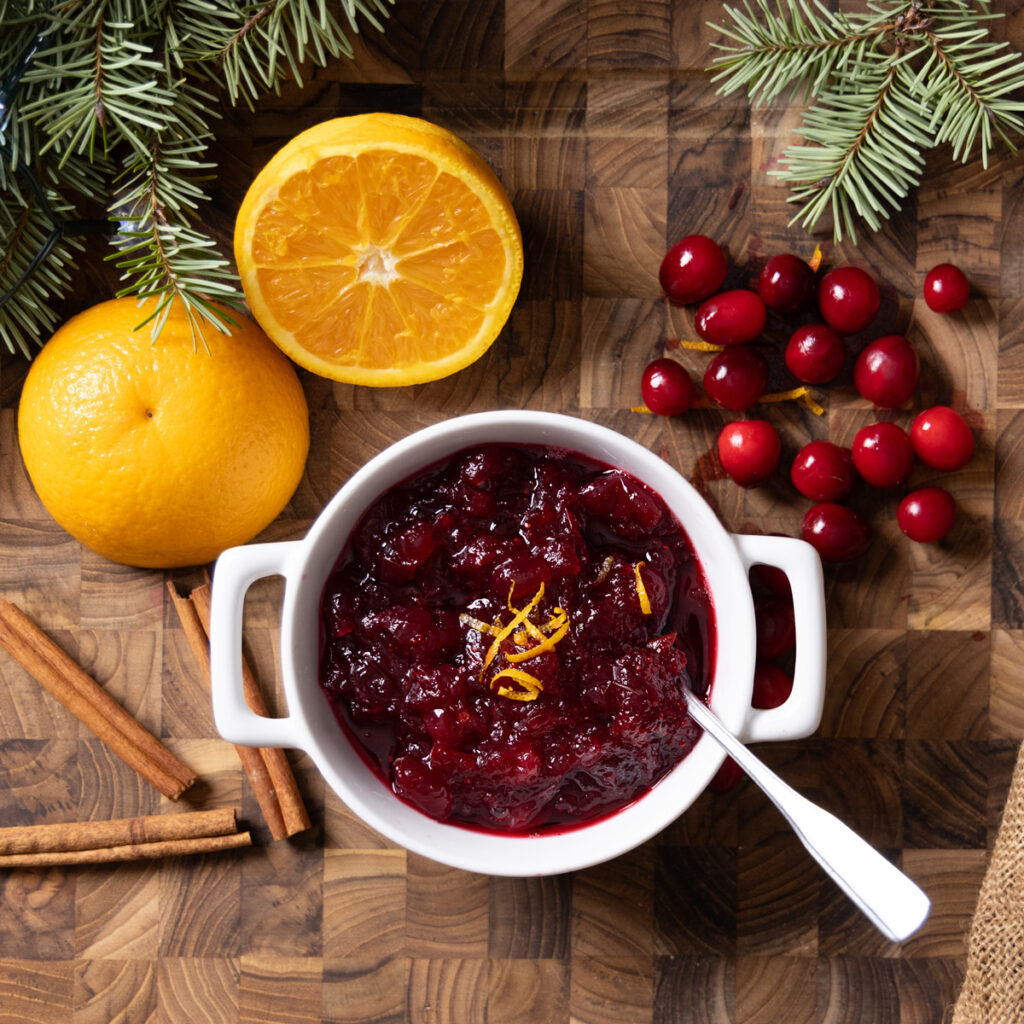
x: 927, y: 515
x: 726, y: 778
x: 749, y: 451
x: 886, y: 371
x: 941, y: 438
x: 772, y: 686
x: 731, y: 318
x: 883, y: 454
x: 666, y: 388
x: 786, y: 284
x: 946, y: 288
x: 736, y: 378
x: 848, y: 299
x: 822, y: 471
x: 836, y: 532
x: 815, y: 354
x: 693, y: 269
x: 772, y: 579
x: 776, y: 627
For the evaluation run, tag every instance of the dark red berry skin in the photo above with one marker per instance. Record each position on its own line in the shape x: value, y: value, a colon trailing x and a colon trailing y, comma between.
x: 769, y: 578
x: 749, y: 451
x: 693, y: 269
x: 727, y: 777
x: 731, y: 318
x: 786, y: 284
x: 776, y: 627
x: 941, y: 438
x: 822, y: 471
x: 816, y: 354
x: 666, y: 388
x: 736, y: 378
x: 927, y: 515
x: 848, y: 299
x: 772, y: 686
x: 836, y: 532
x: 883, y: 454
x: 886, y: 371
x: 946, y: 288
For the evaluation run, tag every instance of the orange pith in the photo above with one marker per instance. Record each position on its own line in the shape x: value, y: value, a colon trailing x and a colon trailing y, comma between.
x: 379, y: 250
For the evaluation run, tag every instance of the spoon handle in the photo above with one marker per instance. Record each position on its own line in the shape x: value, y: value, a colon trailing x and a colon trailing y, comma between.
x: 893, y: 902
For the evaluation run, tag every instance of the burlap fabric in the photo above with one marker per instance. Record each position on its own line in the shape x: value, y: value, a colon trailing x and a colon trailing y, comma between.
x: 993, y: 990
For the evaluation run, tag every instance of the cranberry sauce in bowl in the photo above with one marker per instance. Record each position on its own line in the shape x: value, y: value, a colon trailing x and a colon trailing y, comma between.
x: 506, y: 634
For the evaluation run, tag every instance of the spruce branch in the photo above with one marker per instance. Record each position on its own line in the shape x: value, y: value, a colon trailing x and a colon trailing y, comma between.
x: 102, y: 105
x: 882, y: 86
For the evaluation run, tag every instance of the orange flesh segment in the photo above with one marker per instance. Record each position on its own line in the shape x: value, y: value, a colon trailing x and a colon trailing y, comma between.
x: 377, y: 260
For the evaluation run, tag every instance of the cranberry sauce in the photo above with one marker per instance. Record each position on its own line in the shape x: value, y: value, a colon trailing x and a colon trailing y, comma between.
x: 507, y: 634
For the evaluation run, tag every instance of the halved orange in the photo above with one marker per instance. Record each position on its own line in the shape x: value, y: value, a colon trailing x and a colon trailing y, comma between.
x: 379, y: 249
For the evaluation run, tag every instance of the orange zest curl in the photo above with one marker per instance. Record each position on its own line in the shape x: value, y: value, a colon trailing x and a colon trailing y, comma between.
x: 531, y: 684
x: 641, y: 590
x: 815, y: 261
x: 701, y: 346
x: 523, y: 631
x: 800, y: 394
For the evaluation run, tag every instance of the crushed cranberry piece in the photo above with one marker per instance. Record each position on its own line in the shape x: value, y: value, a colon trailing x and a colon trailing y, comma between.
x: 411, y: 611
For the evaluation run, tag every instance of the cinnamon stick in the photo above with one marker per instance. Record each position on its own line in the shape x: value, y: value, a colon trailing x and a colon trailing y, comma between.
x: 267, y: 768
x: 97, y: 835
x: 133, y: 851
x: 90, y: 703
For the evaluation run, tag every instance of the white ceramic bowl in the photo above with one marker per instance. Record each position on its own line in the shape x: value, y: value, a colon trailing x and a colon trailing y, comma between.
x: 310, y: 724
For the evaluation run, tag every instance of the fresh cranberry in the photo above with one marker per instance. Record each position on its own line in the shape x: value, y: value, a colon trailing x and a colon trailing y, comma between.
x: 836, y: 532
x: 749, y: 451
x: 772, y: 686
x: 693, y: 269
x: 822, y: 471
x: 731, y: 318
x: 946, y: 288
x: 941, y: 438
x: 727, y: 777
x: 772, y: 579
x: 883, y: 454
x: 848, y: 299
x: 886, y: 371
x: 776, y: 627
x: 786, y: 284
x: 736, y: 378
x: 927, y: 515
x: 815, y: 354
x: 666, y: 388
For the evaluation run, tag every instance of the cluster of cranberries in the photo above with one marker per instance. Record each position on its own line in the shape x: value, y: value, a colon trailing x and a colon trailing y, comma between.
x: 885, y: 372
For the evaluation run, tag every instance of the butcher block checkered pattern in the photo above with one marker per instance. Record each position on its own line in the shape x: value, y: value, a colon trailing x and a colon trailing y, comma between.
x: 599, y: 119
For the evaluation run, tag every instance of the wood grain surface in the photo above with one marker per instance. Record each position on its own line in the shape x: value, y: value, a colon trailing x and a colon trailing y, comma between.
x: 598, y: 118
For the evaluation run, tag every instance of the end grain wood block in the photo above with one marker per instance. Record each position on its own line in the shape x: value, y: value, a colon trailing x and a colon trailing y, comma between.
x: 364, y: 902
x: 280, y: 990
x: 528, y: 992
x: 128, y: 984
x: 770, y: 989
x: 447, y: 989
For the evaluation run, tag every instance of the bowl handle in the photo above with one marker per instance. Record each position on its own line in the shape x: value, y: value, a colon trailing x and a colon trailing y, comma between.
x: 800, y: 715
x: 236, y: 570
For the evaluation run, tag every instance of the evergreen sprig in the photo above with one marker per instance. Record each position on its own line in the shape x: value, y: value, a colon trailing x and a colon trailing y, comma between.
x: 882, y: 86
x: 113, y: 112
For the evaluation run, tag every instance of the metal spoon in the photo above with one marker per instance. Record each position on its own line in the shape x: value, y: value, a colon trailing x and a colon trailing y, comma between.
x: 893, y: 903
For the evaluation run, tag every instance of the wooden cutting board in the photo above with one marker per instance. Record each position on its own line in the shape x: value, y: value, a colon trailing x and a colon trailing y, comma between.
x: 612, y: 143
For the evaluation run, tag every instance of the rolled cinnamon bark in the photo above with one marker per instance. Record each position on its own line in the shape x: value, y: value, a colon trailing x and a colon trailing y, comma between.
x: 90, y: 703
x: 134, y: 851
x: 267, y: 769
x: 95, y: 835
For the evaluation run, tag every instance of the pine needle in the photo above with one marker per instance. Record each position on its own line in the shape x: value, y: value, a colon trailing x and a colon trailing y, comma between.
x: 110, y: 111
x: 881, y: 87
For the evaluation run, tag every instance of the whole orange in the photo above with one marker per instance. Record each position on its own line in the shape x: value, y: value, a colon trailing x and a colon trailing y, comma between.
x: 161, y: 453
